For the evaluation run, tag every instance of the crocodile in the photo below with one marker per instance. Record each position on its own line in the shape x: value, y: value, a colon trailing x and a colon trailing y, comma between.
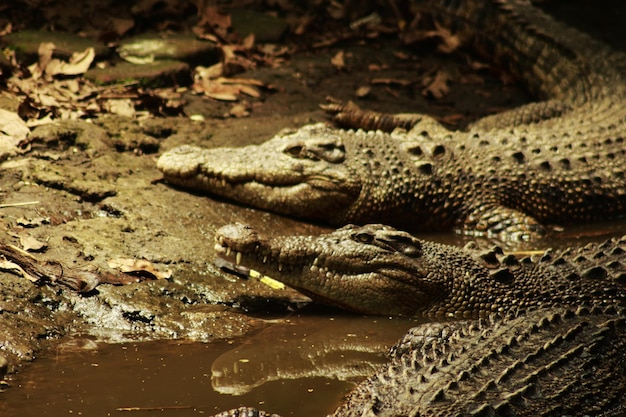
x: 542, y: 335
x: 512, y: 175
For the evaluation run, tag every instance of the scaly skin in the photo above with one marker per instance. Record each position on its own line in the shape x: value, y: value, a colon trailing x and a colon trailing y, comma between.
x: 561, y: 160
x: 554, y: 362
x: 535, y: 352
x: 375, y: 269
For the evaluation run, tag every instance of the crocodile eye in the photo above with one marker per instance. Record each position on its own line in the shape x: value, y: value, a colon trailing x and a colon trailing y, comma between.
x: 295, y: 150
x: 362, y: 237
x: 331, y: 152
x: 406, y: 245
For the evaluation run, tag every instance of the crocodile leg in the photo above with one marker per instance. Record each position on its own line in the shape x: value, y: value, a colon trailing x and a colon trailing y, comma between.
x: 503, y: 223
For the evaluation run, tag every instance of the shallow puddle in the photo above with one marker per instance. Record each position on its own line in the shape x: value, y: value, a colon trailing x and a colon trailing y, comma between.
x: 298, y: 366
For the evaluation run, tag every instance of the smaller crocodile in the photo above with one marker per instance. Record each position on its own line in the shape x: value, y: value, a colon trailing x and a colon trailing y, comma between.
x: 537, y: 336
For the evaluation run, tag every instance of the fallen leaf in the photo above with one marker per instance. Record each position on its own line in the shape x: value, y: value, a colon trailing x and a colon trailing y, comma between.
x: 451, y: 119
x: 449, y: 42
x: 140, y: 267
x: 214, y: 71
x: 212, y: 21
x: 403, y: 56
x: 79, y: 63
x: 32, y: 222
x: 446, y: 41
x: 437, y: 86
x: 363, y: 91
x: 7, y: 29
x: 471, y: 79
x: 377, y: 67
x: 45, y: 51
x: 247, y: 81
x: 248, y: 41
x: 302, y: 24
x: 12, y: 130
x: 225, y: 89
x: 240, y: 110
x: 338, y: 61
x: 123, y: 107
x: 370, y: 20
x: 391, y: 81
x: 30, y: 244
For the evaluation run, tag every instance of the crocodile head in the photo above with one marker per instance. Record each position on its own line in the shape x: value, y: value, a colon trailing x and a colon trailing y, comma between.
x: 300, y: 173
x: 373, y: 269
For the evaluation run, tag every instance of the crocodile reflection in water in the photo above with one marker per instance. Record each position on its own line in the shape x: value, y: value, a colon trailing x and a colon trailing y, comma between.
x: 345, y: 347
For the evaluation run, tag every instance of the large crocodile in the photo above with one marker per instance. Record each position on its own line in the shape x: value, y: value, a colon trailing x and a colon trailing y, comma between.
x: 560, y: 160
x: 550, y: 342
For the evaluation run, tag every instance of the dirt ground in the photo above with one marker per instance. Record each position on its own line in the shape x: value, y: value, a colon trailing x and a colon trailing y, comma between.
x: 85, y: 192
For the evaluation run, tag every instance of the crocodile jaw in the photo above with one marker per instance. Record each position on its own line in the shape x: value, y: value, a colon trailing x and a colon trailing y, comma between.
x: 331, y: 269
x: 266, y: 177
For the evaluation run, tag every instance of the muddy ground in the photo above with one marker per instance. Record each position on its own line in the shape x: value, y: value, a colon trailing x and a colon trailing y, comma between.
x: 90, y: 191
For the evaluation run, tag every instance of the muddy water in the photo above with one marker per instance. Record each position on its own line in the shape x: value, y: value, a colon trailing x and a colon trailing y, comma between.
x: 301, y: 365
x: 298, y: 365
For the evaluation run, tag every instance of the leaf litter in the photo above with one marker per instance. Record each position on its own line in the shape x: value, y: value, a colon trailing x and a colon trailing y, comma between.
x: 54, y: 88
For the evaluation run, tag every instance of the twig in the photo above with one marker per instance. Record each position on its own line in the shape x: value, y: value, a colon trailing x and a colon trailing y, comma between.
x: 156, y: 408
x: 24, y: 203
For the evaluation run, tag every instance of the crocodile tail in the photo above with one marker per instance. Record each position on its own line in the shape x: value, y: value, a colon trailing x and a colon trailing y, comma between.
x: 554, y: 61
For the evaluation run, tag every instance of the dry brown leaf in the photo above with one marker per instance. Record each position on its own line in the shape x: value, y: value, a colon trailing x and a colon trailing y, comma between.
x: 451, y: 119
x: 12, y: 130
x: 223, y: 96
x: 363, y: 91
x: 7, y: 29
x: 214, y: 71
x: 209, y: 15
x: 338, y: 61
x: 248, y: 90
x: 377, y: 67
x: 302, y: 24
x: 449, y: 42
x: 45, y: 51
x: 123, y: 107
x: 240, y: 110
x: 437, y: 86
x: 391, y: 81
x: 403, y: 56
x: 138, y: 267
x: 33, y: 222
x: 79, y: 63
x: 248, y: 41
x: 245, y: 81
x: 471, y: 78
x: 30, y: 244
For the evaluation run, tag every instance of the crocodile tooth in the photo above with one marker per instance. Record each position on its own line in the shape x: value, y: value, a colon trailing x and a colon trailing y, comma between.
x: 280, y: 267
x: 238, y: 258
x: 223, y: 182
x: 228, y: 251
x: 265, y: 259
